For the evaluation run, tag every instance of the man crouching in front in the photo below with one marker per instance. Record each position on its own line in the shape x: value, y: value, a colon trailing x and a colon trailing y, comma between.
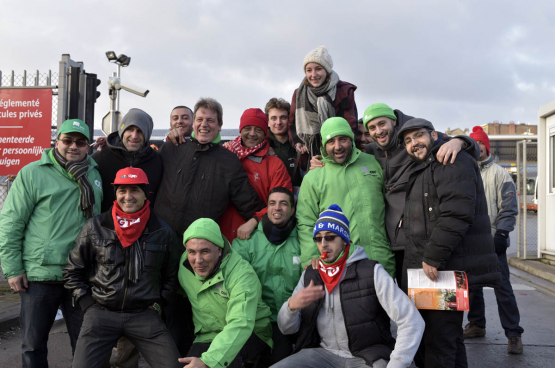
x: 342, y: 310
x: 121, y: 270
x: 232, y: 323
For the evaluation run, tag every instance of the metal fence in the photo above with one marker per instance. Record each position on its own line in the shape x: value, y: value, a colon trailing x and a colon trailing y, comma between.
x: 34, y: 80
x: 526, y: 184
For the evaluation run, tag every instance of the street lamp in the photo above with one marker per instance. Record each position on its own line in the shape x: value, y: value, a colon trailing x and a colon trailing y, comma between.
x: 111, y: 121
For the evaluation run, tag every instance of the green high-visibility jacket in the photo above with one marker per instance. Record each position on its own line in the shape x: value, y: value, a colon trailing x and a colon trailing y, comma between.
x: 227, y: 307
x: 278, y: 266
x: 357, y: 187
x: 41, y: 218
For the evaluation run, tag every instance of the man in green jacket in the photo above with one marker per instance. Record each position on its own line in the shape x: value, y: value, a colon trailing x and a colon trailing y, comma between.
x: 273, y: 251
x: 232, y: 324
x: 46, y: 207
x: 353, y: 180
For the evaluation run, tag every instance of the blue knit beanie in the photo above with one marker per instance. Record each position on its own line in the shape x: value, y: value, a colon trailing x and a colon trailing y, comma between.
x: 335, y: 221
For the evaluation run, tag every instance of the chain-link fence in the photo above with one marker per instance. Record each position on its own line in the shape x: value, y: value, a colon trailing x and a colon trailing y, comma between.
x: 527, y: 188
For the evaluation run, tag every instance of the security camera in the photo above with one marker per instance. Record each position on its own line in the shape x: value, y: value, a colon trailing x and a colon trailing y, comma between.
x: 117, y: 84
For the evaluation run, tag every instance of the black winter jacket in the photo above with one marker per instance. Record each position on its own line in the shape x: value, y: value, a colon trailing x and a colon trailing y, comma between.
x: 397, y: 167
x: 97, y: 266
x: 446, y: 220
x: 366, y: 322
x: 116, y: 157
x: 200, y: 180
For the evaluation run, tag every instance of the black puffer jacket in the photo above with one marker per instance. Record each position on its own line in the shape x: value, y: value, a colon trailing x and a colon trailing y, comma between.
x: 397, y: 167
x: 98, y: 266
x: 200, y: 180
x: 116, y: 157
x: 446, y: 220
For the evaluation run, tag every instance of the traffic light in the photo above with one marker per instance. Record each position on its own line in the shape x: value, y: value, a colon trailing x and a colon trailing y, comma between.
x: 91, y: 96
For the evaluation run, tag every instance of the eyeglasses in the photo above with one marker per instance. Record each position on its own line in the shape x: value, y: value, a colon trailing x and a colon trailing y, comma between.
x: 69, y: 142
x: 329, y: 238
x: 416, y: 136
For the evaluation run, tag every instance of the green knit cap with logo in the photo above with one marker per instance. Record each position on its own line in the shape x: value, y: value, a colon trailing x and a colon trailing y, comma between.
x: 334, y: 127
x: 377, y: 110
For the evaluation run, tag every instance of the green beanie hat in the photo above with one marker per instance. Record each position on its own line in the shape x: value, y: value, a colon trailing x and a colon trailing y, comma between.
x: 334, y: 127
x: 377, y: 110
x: 204, y: 228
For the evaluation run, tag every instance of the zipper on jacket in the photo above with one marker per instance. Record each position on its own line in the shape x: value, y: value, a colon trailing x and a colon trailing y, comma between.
x: 124, y: 279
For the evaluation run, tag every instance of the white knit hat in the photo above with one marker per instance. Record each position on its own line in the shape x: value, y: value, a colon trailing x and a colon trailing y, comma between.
x: 319, y: 55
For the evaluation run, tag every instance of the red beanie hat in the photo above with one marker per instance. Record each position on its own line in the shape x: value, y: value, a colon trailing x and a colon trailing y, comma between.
x: 478, y: 134
x: 254, y: 117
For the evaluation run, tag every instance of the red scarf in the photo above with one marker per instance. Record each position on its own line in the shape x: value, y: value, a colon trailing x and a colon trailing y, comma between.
x: 241, y: 151
x: 332, y: 273
x: 129, y: 226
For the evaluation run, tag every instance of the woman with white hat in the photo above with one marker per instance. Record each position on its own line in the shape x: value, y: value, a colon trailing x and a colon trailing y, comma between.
x: 320, y: 96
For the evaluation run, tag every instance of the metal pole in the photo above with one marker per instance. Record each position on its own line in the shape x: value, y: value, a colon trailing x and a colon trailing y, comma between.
x: 49, y: 78
x: 37, y: 78
x: 525, y: 195
x: 24, y: 78
x: 11, y: 80
x: 518, y: 189
x: 0, y: 78
x: 117, y: 92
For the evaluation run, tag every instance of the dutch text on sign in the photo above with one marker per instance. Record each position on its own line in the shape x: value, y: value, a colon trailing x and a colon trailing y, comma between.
x: 25, y: 119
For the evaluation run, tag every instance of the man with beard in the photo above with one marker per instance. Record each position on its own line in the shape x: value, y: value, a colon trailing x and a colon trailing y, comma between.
x: 447, y: 227
x: 363, y: 136
x: 383, y: 124
x: 122, y: 268
x: 46, y: 207
x: 200, y: 179
x: 352, y: 179
x: 502, y: 209
x: 341, y: 309
x: 129, y: 146
x: 273, y: 251
x: 263, y: 170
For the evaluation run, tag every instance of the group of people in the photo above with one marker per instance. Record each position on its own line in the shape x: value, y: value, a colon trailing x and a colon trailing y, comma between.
x: 285, y: 247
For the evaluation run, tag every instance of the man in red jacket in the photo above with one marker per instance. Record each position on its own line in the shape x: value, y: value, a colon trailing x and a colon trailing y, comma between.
x: 264, y: 171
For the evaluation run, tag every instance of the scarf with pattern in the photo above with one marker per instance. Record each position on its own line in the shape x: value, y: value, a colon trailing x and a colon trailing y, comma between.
x: 243, y: 152
x: 79, y: 171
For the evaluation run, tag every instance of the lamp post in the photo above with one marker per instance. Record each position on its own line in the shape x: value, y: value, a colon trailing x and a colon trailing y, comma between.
x: 111, y: 120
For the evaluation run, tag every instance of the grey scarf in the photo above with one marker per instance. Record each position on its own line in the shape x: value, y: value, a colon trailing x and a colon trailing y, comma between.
x: 313, y: 107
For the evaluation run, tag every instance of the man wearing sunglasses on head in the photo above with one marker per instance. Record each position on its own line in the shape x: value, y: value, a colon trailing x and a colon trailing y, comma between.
x: 46, y: 207
x: 341, y: 310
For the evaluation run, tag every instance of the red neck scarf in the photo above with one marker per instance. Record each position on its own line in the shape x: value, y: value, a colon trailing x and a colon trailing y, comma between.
x: 332, y: 273
x: 129, y: 226
x: 241, y: 151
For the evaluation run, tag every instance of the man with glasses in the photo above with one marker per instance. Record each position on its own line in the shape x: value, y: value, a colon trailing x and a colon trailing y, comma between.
x: 447, y: 227
x: 46, y: 207
x: 354, y: 180
x: 341, y: 309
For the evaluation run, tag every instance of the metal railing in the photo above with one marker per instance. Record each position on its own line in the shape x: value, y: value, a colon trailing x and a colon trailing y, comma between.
x: 526, y: 184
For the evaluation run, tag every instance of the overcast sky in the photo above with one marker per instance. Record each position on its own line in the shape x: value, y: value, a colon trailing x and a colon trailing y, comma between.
x: 456, y: 63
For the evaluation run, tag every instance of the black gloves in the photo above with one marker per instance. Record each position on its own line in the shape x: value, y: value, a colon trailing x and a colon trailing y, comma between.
x: 501, y: 241
x: 85, y: 302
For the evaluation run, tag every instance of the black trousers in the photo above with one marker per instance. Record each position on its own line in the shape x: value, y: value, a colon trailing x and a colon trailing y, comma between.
x: 399, y: 258
x: 283, y: 347
x: 252, y: 348
x: 102, y: 329
x: 178, y: 315
x: 442, y: 345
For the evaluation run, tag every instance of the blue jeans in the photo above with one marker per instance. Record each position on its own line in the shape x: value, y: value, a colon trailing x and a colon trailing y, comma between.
x: 321, y: 358
x: 39, y: 306
x: 506, y: 303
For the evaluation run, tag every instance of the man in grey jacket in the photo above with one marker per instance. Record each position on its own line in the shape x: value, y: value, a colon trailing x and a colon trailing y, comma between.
x: 342, y: 310
x: 502, y: 210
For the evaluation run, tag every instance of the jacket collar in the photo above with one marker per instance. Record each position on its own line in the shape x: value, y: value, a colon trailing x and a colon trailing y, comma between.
x: 153, y: 224
x: 487, y: 162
